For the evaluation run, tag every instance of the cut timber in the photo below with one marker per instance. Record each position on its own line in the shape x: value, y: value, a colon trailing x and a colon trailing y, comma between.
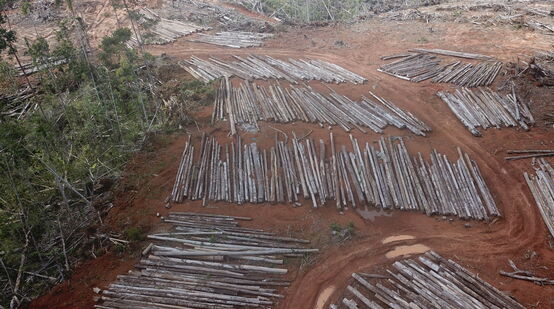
x: 250, y: 103
x: 429, y: 281
x: 452, y: 53
x: 387, y: 177
x: 217, y: 264
x: 542, y: 187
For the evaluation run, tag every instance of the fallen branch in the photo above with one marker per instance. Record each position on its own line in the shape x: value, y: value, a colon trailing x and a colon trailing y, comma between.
x: 535, y: 280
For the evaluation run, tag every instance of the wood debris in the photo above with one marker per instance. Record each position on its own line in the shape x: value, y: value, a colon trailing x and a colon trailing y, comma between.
x: 163, y: 30
x: 266, y: 67
x: 421, y: 66
x: 388, y: 178
x: 525, y: 275
x: 236, y: 39
x: 526, y: 154
x: 30, y: 68
x: 250, y: 103
x: 542, y: 187
x: 452, y: 53
x: 429, y: 281
x: 206, y: 261
x: 485, y: 108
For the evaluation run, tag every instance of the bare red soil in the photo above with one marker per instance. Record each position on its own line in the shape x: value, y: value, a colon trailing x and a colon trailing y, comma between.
x: 483, y: 248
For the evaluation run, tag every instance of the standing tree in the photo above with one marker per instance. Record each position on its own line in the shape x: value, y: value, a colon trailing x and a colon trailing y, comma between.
x: 8, y: 38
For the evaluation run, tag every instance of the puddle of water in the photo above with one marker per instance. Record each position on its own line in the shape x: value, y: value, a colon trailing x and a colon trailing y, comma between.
x: 371, y: 214
x: 397, y: 238
x: 407, y: 250
x: 324, y: 296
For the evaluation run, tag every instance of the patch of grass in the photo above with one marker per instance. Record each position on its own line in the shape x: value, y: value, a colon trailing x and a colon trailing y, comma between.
x: 135, y: 234
x: 341, y: 233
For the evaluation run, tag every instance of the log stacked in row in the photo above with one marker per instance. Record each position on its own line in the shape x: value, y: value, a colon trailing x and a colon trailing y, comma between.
x: 250, y: 103
x: 421, y: 66
x: 235, y: 39
x: 206, y: 261
x: 542, y: 187
x: 430, y: 281
x: 388, y: 178
x: 266, y: 67
x: 163, y: 30
x: 485, y: 108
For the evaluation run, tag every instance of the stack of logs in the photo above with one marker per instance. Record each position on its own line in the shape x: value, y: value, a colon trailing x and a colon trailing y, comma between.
x: 542, y: 187
x: 430, y: 281
x: 266, y: 67
x: 235, y: 39
x: 250, y: 103
x: 163, y: 30
x: 485, y: 108
x: 207, y: 261
x: 388, y: 178
x: 421, y: 66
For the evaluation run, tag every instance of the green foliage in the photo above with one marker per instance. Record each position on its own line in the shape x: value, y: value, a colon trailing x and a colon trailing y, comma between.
x: 39, y: 49
x: 8, y: 81
x: 25, y: 7
x: 341, y: 233
x: 335, y: 227
x: 196, y: 91
x: 7, y: 37
x: 85, y: 123
x: 135, y: 234
x: 114, y: 50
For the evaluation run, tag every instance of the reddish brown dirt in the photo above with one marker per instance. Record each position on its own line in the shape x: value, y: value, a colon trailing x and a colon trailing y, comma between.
x: 484, y: 248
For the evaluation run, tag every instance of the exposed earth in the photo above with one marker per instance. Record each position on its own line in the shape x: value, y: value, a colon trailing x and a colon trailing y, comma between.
x: 482, y: 247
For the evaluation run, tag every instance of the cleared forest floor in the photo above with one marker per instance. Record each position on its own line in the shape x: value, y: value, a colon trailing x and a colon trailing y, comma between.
x: 482, y: 247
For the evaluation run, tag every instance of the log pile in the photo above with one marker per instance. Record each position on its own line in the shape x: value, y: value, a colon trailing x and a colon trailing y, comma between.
x: 529, y: 153
x: 388, y: 178
x: 429, y: 281
x: 250, y: 103
x: 236, y: 39
x: 452, y: 53
x: 31, y: 68
x: 266, y: 67
x: 163, y: 30
x: 542, y: 187
x: 206, y: 261
x: 419, y: 67
x: 485, y: 108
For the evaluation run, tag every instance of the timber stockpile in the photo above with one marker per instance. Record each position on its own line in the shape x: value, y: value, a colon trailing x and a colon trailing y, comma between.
x: 236, y: 39
x: 423, y: 65
x: 206, y: 261
x: 485, y: 108
x: 388, y: 177
x: 430, y: 281
x: 542, y: 187
x: 266, y: 67
x: 250, y: 103
x: 162, y: 30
